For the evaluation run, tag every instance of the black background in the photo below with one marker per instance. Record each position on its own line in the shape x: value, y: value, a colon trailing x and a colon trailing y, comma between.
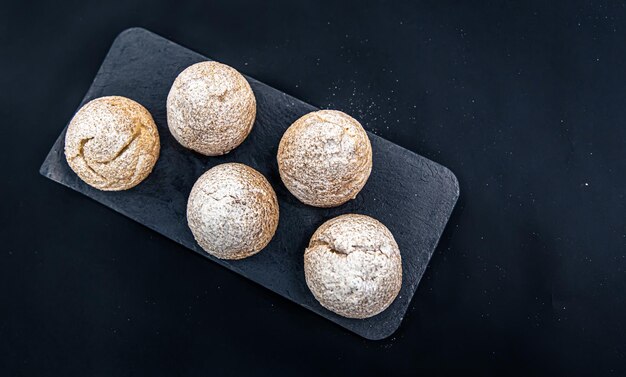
x: 524, y: 101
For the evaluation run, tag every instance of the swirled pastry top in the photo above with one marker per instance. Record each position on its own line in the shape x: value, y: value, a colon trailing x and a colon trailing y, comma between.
x: 112, y: 143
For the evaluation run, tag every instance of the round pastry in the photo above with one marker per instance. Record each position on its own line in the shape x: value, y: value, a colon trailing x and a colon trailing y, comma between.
x: 112, y: 143
x: 353, y: 266
x: 232, y: 211
x: 325, y: 158
x: 210, y: 108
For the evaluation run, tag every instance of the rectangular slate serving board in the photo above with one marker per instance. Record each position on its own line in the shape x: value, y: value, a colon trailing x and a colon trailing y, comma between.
x: 410, y: 194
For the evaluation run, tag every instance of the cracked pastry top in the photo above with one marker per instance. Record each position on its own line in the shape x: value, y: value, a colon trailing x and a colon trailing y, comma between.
x: 112, y: 143
x: 353, y: 266
x: 325, y: 158
x: 210, y: 108
x: 232, y: 211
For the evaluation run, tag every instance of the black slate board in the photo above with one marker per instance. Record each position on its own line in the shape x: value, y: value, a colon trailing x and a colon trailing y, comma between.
x: 410, y: 194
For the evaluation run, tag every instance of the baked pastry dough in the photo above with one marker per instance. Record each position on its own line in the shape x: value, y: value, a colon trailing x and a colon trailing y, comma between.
x: 232, y: 211
x: 325, y: 158
x: 353, y: 266
x: 210, y: 108
x: 112, y: 143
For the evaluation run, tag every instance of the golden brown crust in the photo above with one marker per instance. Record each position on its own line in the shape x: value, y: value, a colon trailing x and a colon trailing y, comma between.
x: 112, y: 143
x: 325, y: 158
x: 353, y: 266
x: 232, y: 211
x: 210, y: 108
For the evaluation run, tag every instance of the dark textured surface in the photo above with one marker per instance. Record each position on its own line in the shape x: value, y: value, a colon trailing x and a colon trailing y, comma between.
x: 411, y: 195
x: 524, y: 100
